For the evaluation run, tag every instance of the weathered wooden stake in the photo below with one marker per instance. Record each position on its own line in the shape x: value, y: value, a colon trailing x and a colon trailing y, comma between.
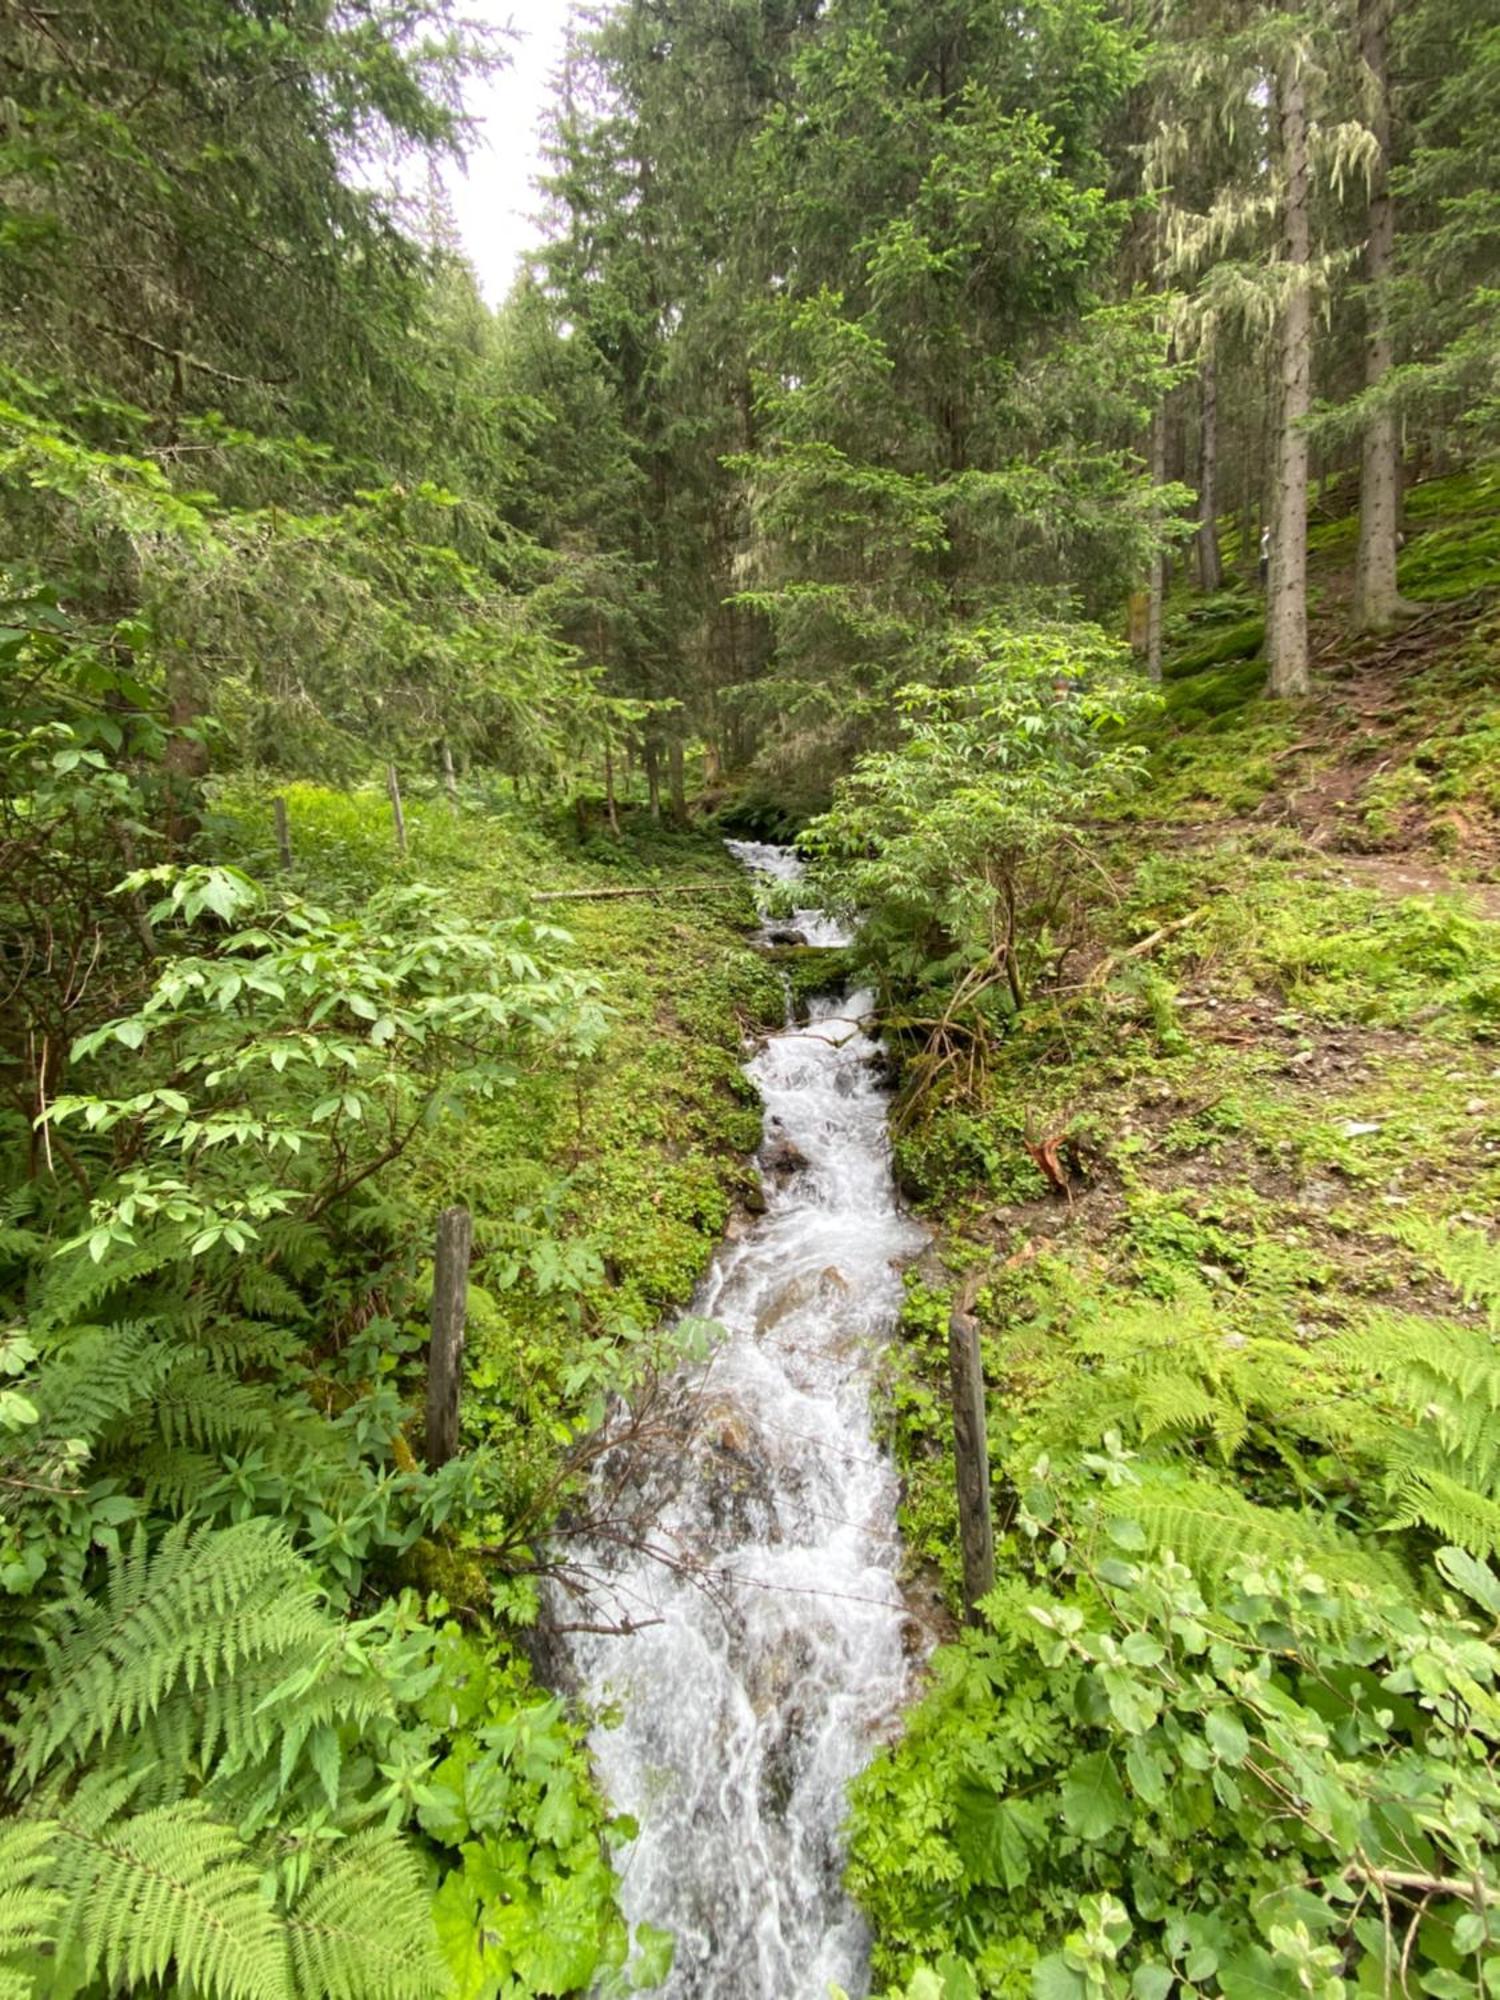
x: 971, y: 1457
x: 393, y: 786
x: 283, y: 831
x: 450, y: 1310
x: 450, y: 776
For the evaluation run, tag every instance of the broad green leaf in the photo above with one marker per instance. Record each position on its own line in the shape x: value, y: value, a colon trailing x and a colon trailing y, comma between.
x: 1152, y: 1982
x: 958, y: 1982
x: 1227, y: 1734
x: 1093, y: 1799
x: 1052, y: 1978
x: 1254, y: 1974
x: 455, y: 1915
x: 651, y: 1960
x: 1474, y: 1578
x: 1146, y: 1767
x: 1134, y: 1703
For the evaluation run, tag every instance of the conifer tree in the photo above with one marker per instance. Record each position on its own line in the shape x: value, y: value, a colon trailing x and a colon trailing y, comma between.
x: 1376, y: 599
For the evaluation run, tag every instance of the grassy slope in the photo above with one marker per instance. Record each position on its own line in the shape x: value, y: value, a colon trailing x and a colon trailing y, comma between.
x: 1261, y: 1105
x: 599, y: 1190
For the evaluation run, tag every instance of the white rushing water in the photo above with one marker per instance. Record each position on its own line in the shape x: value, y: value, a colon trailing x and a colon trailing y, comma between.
x: 778, y: 1657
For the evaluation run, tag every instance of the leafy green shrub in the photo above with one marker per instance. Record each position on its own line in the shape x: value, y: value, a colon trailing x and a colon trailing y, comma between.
x: 949, y: 1150
x: 1125, y: 1784
x: 958, y: 848
x: 206, y: 1471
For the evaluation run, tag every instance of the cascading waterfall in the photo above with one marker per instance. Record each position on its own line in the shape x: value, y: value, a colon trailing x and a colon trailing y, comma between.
x: 777, y: 1652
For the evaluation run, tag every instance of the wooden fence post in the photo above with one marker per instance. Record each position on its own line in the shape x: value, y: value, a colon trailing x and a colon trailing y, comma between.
x: 393, y: 786
x: 450, y: 1308
x: 971, y: 1456
x: 283, y: 831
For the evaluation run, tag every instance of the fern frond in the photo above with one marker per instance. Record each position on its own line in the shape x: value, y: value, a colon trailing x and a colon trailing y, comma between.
x: 1468, y: 1259
x: 1174, y: 1369
x: 254, y: 1716
x: 170, y: 1891
x: 264, y: 1294
x: 1208, y: 1526
x: 100, y: 1374
x: 28, y: 1908
x: 1437, y: 1385
x: 74, y: 1286
x: 200, y: 1607
x: 339, y: 1954
x: 173, y: 1479
x: 246, y: 1343
x: 198, y: 1407
x: 20, y: 1245
x: 1165, y: 1401
x: 1417, y: 1355
x: 175, y: 1896
x: 298, y: 1246
x: 1427, y: 1496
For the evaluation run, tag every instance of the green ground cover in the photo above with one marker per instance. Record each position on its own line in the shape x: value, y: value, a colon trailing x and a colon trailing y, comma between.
x: 1241, y: 1379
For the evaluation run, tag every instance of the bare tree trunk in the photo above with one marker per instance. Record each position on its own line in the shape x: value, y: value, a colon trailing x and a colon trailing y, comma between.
x: 1249, y: 503
x: 677, y: 780
x: 609, y: 791
x: 450, y: 1311
x: 1158, y: 555
x: 971, y: 1457
x: 185, y: 759
x: 450, y: 776
x: 393, y: 788
x: 1210, y: 565
x: 283, y: 831
x: 1377, y: 601
x: 652, y: 762
x: 1286, y: 610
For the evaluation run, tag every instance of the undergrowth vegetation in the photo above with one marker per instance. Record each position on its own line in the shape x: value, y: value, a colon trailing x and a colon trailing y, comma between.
x: 269, y: 1703
x: 1230, y: 1721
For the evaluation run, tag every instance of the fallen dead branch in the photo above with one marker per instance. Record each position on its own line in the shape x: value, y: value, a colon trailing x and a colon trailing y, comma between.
x: 656, y: 889
x: 1106, y: 966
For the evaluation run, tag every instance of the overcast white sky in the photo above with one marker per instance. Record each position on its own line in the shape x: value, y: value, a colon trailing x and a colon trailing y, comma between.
x: 495, y: 198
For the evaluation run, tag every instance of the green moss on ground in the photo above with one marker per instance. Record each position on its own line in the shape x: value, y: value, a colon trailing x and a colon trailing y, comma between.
x: 1251, y: 1120
x: 1261, y: 1113
x: 1453, y: 536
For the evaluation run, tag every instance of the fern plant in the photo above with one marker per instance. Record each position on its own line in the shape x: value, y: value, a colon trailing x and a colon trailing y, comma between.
x: 1436, y: 1387
x: 173, y: 1895
x: 1468, y: 1259
x: 1409, y: 1403
x: 29, y: 1906
x: 158, y: 1749
x: 1209, y: 1524
x: 1172, y: 1373
x: 178, y: 1622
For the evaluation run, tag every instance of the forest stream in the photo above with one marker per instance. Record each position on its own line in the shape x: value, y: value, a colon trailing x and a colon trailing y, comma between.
x: 769, y: 1647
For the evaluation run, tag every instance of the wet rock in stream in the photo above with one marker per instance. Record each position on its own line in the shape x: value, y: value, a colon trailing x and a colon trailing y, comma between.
x: 783, y: 1158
